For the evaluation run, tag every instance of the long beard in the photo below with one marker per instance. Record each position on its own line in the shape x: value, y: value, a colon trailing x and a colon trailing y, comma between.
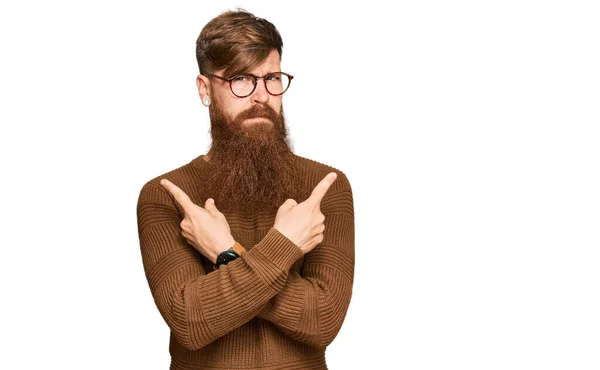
x: 254, y: 168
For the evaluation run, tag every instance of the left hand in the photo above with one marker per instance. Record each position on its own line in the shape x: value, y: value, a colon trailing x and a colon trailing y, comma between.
x: 206, y: 229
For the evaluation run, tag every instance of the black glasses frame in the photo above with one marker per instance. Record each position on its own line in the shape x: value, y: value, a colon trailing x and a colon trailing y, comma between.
x: 254, y: 82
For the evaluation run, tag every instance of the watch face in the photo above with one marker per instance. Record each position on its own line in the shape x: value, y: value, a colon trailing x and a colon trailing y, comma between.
x: 226, y: 257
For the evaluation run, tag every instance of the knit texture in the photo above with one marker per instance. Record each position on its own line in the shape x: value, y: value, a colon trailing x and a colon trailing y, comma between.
x: 271, y: 308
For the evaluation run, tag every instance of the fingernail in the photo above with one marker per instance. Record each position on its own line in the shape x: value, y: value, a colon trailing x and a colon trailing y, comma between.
x: 162, y: 182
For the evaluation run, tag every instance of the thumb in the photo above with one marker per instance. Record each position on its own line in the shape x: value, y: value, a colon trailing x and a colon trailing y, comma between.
x: 210, y: 205
x: 289, y: 204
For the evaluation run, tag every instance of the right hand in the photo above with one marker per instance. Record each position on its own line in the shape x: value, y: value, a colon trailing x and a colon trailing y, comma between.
x: 205, y: 229
x: 303, y: 223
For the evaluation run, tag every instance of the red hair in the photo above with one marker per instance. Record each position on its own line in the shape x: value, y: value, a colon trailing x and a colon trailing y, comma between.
x: 236, y: 41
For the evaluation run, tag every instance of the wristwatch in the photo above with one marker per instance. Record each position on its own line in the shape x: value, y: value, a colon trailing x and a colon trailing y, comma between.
x: 229, y: 255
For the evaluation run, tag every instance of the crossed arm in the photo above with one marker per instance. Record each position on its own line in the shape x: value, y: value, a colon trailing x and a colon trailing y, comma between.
x: 312, y: 305
x: 199, y: 308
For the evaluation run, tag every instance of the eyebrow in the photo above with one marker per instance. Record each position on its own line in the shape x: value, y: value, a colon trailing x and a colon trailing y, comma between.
x: 252, y: 74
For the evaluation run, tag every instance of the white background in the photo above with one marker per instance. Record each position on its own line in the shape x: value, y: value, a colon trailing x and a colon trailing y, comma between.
x: 468, y: 130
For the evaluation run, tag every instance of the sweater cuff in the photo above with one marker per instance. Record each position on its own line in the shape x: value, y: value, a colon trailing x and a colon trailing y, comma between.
x: 279, y: 250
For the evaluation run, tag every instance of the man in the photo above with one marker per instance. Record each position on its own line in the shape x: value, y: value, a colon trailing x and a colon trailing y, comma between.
x: 245, y: 276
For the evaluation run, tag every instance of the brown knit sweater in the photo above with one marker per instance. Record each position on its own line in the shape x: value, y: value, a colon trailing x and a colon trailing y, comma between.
x: 272, y: 308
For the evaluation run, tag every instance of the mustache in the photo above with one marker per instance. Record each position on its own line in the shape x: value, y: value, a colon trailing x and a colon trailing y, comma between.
x: 259, y: 110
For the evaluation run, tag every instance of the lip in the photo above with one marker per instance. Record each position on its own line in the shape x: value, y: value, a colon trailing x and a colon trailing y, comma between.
x: 259, y: 118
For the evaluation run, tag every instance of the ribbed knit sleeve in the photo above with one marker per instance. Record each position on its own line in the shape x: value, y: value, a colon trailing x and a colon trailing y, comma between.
x: 199, y: 307
x: 312, y: 305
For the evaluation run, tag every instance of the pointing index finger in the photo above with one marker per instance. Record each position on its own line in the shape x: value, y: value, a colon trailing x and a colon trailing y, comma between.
x: 319, y: 191
x: 180, y: 196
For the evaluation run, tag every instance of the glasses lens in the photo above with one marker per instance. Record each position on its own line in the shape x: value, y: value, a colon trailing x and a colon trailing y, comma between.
x: 277, y: 83
x: 242, y: 85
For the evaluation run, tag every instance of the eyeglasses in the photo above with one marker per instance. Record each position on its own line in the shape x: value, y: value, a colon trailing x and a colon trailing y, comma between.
x: 243, y: 85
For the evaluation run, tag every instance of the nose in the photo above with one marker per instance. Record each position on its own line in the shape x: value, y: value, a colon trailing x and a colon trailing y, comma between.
x: 260, y: 94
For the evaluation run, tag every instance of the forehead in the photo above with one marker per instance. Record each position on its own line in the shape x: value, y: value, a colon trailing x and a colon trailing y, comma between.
x: 271, y: 64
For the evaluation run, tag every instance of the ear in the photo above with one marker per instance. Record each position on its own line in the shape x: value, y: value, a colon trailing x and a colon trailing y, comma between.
x: 203, y: 86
